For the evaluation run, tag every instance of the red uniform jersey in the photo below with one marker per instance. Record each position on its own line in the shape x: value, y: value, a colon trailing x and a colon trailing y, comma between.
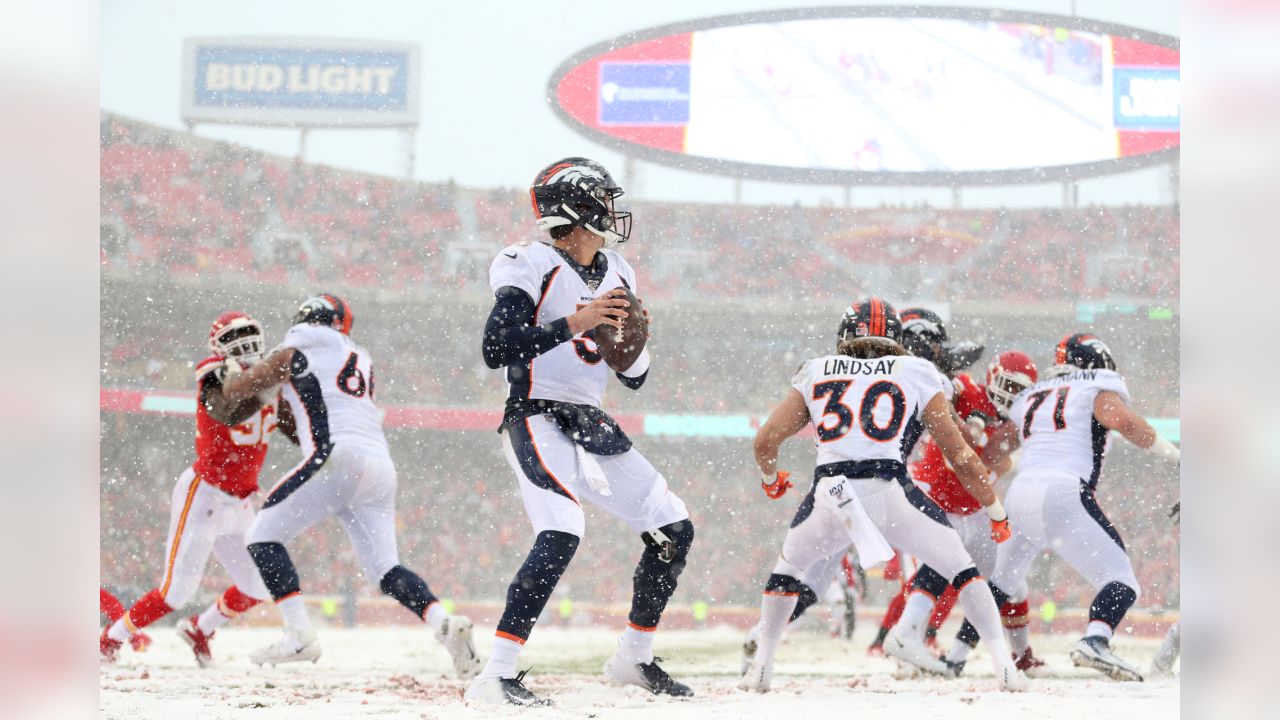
x: 933, y: 472
x: 230, y: 457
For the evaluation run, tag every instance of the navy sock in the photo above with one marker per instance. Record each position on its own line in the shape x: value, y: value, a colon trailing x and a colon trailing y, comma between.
x: 658, y: 572
x: 528, y: 593
x: 1112, y: 602
x: 805, y: 601
x: 408, y: 589
x: 276, y: 568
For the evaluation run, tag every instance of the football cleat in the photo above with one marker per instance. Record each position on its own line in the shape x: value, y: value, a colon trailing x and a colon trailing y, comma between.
x: 954, y: 668
x: 455, y: 635
x: 750, y: 644
x: 108, y: 648
x: 912, y: 651
x: 190, y: 632
x: 758, y: 677
x: 1095, y: 652
x: 498, y: 691
x: 295, y: 646
x: 649, y: 676
x: 140, y: 642
x: 1028, y: 663
x: 1012, y: 679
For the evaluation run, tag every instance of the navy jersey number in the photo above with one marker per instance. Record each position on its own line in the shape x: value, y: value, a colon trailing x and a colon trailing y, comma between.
x: 350, y: 379
x: 834, y: 391
x: 1059, y: 410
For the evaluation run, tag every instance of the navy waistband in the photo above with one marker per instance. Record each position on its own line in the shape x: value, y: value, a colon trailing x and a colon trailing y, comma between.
x: 882, y: 469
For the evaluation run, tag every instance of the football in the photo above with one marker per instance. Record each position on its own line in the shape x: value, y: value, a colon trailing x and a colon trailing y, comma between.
x: 621, y: 347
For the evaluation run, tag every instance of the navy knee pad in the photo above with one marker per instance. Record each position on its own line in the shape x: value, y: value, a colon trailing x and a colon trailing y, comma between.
x: 276, y: 569
x: 1112, y: 602
x: 658, y: 571
x: 930, y: 581
x: 1000, y: 596
x: 537, y: 578
x: 408, y: 589
x: 963, y: 577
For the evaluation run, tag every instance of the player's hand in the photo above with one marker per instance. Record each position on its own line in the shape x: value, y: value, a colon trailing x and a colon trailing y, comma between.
x: 229, y: 366
x: 1000, y: 530
x: 608, y: 309
x: 778, y: 486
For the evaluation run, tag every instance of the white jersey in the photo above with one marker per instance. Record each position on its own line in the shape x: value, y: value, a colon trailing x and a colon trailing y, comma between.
x: 1058, y: 430
x: 331, y: 392
x: 867, y: 409
x: 572, y: 371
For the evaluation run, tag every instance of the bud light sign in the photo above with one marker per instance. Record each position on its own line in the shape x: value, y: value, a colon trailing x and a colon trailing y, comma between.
x: 298, y: 82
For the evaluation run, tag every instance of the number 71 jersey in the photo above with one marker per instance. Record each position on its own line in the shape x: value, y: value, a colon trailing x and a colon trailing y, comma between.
x: 867, y: 409
x: 1055, y: 423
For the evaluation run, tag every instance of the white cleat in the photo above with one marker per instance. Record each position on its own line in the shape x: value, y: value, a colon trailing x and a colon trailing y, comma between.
x: 750, y: 644
x: 501, y: 691
x: 1013, y: 680
x: 912, y: 651
x: 1095, y: 652
x: 455, y: 635
x: 295, y: 646
x: 757, y: 678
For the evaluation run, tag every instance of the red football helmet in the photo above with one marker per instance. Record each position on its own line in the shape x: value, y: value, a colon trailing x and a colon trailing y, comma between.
x: 1009, y: 374
x: 237, y: 335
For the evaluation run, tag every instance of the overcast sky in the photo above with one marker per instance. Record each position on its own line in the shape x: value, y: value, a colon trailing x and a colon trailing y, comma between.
x: 485, y: 121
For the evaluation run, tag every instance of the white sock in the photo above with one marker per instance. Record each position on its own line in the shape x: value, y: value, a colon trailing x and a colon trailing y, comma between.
x: 775, y: 612
x: 294, y: 612
x: 502, y: 658
x: 637, y: 645
x: 980, y: 609
x: 1019, y: 638
x: 436, y: 615
x: 916, y: 613
x: 1097, y: 628
x: 958, y: 652
x: 118, y: 631
x: 211, y: 619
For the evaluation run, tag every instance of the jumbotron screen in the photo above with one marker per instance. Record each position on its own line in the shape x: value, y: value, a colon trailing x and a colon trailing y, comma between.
x: 926, y: 96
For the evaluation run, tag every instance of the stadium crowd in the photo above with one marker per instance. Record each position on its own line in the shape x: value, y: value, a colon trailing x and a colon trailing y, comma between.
x: 190, y: 206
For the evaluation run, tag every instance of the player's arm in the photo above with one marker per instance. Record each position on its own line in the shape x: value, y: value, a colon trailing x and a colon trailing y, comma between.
x: 511, y: 338
x: 223, y: 409
x: 968, y: 466
x: 788, y: 418
x: 286, y: 423
x: 1114, y: 413
x: 239, y: 384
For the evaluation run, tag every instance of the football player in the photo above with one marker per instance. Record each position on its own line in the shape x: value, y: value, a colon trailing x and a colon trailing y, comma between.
x: 867, y: 403
x: 1065, y: 422
x: 549, y: 298
x: 346, y: 471
x: 211, y: 509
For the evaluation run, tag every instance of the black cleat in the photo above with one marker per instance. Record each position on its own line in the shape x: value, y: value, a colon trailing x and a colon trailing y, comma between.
x: 646, y: 675
x: 495, y: 691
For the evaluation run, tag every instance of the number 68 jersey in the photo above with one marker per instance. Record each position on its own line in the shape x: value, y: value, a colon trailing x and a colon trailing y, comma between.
x: 1055, y: 423
x: 867, y: 409
x: 330, y: 392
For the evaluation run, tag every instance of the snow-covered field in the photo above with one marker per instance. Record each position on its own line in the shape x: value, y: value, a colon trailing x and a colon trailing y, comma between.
x: 401, y: 672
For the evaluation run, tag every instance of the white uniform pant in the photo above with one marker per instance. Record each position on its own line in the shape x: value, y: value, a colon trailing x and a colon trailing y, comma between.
x: 553, y: 486
x: 204, y: 520
x: 1057, y: 512
x: 354, y: 485
x: 975, y: 533
x: 916, y: 526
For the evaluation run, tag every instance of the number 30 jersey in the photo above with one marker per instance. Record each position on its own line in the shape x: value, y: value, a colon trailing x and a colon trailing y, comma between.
x: 867, y: 409
x: 572, y: 371
x: 330, y: 392
x: 1055, y: 423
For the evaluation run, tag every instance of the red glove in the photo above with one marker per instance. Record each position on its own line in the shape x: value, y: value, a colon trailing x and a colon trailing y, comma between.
x: 778, y: 487
x: 1000, y: 530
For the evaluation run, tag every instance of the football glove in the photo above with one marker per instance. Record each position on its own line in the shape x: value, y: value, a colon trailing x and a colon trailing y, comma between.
x: 778, y: 487
x: 1000, y: 530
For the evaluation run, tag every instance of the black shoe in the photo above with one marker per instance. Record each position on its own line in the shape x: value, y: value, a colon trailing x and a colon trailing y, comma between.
x: 517, y: 693
x: 646, y: 675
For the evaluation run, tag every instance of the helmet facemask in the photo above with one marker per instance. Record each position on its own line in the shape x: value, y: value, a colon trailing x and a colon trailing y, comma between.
x: 242, y: 339
x: 577, y: 192
x: 1003, y: 386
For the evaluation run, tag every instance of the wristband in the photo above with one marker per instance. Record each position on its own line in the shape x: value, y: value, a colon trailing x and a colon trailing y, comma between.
x: 1166, y: 450
x: 640, y: 366
x: 996, y: 512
